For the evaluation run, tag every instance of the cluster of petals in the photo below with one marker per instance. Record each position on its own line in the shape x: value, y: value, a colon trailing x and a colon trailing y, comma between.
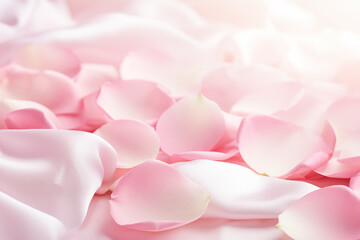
x: 179, y: 119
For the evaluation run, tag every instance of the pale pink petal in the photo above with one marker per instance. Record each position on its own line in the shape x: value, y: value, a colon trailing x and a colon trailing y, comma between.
x: 192, y: 124
x: 90, y: 116
x: 226, y: 147
x: 92, y: 76
x: 350, y: 147
x: 28, y: 119
x: 331, y: 213
x: 323, y: 181
x: 254, y: 197
x: 277, y: 148
x: 47, y: 57
x: 228, y: 83
x: 228, y: 142
x: 135, y: 142
x: 211, y: 155
x: 55, y: 172
x: 355, y: 182
x: 269, y: 99
x: 340, y: 169
x: 310, y: 110
x: 7, y: 106
x: 179, y: 74
x: 154, y: 196
x: 138, y: 100
x: 345, y: 162
x: 51, y: 89
x: 344, y: 115
x: 110, y: 184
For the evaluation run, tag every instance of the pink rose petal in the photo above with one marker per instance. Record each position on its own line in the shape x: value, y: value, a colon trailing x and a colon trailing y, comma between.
x: 176, y: 73
x: 344, y: 115
x: 346, y: 161
x: 192, y: 124
x: 269, y: 99
x: 355, y: 183
x: 154, y: 197
x: 28, y: 119
x: 216, y: 83
x: 92, y: 76
x: 51, y: 89
x: 310, y: 110
x: 330, y: 213
x: 135, y: 142
x: 193, y: 155
x: 277, y: 148
x: 138, y: 100
x: 8, y: 106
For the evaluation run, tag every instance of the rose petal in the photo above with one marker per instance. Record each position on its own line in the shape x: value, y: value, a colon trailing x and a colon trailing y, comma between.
x: 193, y: 155
x: 176, y: 73
x: 135, y: 142
x: 215, y: 84
x: 7, y: 106
x: 192, y: 124
x: 51, y: 89
x: 154, y: 197
x: 330, y: 213
x: 92, y: 76
x: 269, y: 99
x: 355, y: 183
x: 344, y: 115
x: 138, y: 100
x: 277, y: 148
x: 310, y: 110
x: 28, y: 119
x: 346, y: 161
